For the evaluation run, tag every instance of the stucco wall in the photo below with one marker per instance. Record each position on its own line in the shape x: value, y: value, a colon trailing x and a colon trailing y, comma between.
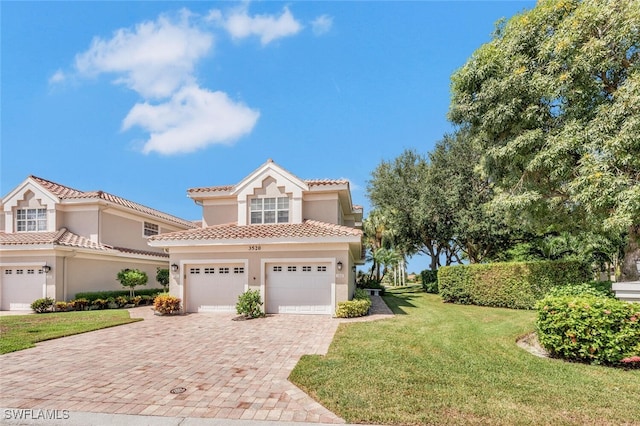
x: 219, y: 214
x: 84, y: 222
x: 322, y: 210
x: 120, y: 231
x: 98, y: 275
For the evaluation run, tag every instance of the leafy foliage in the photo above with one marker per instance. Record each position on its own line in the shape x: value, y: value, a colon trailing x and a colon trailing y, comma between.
x: 132, y: 278
x: 162, y: 276
x: 250, y: 304
x: 43, y: 305
x: 554, y: 100
x: 517, y: 285
x: 594, y: 288
x: 358, y: 307
x: 429, y: 280
x: 93, y: 295
x: 166, y: 304
x: 589, y: 328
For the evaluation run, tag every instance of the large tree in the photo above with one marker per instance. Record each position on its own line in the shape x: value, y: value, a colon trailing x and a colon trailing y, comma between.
x: 554, y: 99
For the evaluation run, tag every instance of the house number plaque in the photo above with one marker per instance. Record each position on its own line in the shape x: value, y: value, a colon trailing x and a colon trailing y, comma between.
x: 255, y: 248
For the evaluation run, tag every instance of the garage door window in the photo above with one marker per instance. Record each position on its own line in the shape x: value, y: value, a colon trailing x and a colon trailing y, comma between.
x: 194, y: 270
x: 322, y: 269
x: 238, y: 270
x: 291, y: 268
x: 8, y: 271
x: 224, y: 270
x: 19, y: 271
x: 209, y: 270
x: 277, y: 269
x: 306, y: 269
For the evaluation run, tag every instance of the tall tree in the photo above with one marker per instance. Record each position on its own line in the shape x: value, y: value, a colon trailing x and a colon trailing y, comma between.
x: 554, y: 99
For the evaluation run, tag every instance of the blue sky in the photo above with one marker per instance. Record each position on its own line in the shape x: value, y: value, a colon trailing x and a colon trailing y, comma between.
x: 147, y: 99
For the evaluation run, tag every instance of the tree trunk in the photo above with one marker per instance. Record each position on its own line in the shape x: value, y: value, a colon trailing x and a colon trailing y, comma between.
x: 628, y: 267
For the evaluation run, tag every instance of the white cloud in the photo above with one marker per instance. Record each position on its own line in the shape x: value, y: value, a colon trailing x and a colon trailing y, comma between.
x: 268, y: 27
x: 57, y: 77
x: 322, y: 24
x: 192, y: 119
x: 155, y: 59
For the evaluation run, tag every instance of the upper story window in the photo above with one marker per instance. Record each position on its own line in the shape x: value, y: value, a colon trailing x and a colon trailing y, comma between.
x: 150, y: 229
x: 270, y: 210
x: 31, y: 220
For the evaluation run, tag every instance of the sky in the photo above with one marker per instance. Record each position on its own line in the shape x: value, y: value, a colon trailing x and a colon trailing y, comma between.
x: 145, y: 99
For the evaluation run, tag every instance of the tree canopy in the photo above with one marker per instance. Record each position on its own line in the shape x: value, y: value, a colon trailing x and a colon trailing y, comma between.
x: 554, y: 100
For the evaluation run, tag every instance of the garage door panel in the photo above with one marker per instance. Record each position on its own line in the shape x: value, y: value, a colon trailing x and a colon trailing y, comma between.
x: 214, y: 288
x: 302, y: 288
x: 20, y: 287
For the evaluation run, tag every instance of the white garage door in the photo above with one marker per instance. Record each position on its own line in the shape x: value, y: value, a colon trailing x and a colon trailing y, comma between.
x: 299, y: 288
x: 214, y: 287
x: 21, y: 286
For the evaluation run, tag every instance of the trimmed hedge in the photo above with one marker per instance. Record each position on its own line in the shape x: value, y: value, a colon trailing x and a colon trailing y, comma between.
x: 516, y: 285
x: 358, y: 307
x: 589, y: 328
x: 94, y: 295
x: 429, y: 281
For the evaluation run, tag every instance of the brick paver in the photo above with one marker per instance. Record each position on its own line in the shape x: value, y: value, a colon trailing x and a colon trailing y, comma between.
x: 230, y: 369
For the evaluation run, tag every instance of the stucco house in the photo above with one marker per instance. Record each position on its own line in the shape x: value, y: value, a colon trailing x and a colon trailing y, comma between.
x: 56, y: 241
x: 296, y: 241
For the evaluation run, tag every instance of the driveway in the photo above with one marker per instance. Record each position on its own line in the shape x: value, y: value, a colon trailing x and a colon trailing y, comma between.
x: 228, y: 369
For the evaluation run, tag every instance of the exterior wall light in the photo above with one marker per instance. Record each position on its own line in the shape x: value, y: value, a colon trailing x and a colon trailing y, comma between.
x: 46, y: 268
x: 339, y: 265
x: 174, y: 267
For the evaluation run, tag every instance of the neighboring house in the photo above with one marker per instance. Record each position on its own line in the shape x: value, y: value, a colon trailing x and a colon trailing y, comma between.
x: 296, y: 241
x: 56, y: 241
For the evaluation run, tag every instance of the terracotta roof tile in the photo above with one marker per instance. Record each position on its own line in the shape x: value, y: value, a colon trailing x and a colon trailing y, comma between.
x: 307, y: 229
x: 67, y: 193
x: 65, y: 238
x: 310, y: 182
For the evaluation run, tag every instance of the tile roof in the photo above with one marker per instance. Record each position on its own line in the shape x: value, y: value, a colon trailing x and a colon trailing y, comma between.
x: 67, y: 193
x: 310, y: 182
x: 65, y: 238
x: 232, y: 231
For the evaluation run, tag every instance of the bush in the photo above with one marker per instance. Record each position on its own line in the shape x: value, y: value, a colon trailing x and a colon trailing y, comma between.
x: 589, y: 328
x: 42, y: 305
x: 366, y: 282
x: 166, y: 304
x: 61, y: 307
x: 250, y: 304
x: 162, y: 276
x: 429, y: 281
x: 80, y: 304
x: 358, y: 307
x: 594, y: 288
x: 93, y: 295
x: 99, y: 303
x: 515, y: 285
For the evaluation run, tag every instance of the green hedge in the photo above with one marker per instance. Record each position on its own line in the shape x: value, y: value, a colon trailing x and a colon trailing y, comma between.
x: 517, y: 285
x: 589, y: 328
x: 429, y: 280
x: 93, y: 295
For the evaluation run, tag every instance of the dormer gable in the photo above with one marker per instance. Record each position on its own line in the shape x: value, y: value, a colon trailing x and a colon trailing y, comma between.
x: 271, y: 181
x: 30, y: 207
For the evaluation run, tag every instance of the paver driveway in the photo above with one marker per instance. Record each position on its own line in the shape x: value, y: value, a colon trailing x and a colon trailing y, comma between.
x: 230, y: 369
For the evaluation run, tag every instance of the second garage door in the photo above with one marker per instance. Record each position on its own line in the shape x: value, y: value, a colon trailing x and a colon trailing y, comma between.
x: 300, y: 288
x: 214, y: 287
x: 20, y: 287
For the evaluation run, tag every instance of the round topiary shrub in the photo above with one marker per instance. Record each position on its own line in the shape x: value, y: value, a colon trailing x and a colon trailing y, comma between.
x: 589, y: 328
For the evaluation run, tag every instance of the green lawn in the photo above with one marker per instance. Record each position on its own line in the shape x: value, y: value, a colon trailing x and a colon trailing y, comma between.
x: 19, y: 332
x: 437, y: 363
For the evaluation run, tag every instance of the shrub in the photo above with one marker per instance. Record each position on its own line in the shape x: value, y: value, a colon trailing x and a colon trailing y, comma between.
x: 42, y: 305
x: 429, y: 281
x: 250, y: 304
x: 166, y: 304
x: 99, y: 303
x: 366, y: 282
x: 80, y: 304
x: 512, y: 285
x: 121, y: 301
x: 132, y: 278
x: 358, y: 307
x: 595, y: 288
x: 589, y: 328
x: 61, y: 307
x: 135, y: 300
x: 93, y: 295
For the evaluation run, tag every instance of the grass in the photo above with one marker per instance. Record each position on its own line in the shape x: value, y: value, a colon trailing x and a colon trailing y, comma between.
x: 445, y: 364
x: 19, y: 332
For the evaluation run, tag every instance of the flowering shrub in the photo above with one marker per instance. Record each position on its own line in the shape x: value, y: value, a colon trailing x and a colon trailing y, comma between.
x: 61, y: 307
x: 79, y: 304
x: 250, y: 304
x: 166, y: 304
x: 588, y: 328
x: 100, y: 303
